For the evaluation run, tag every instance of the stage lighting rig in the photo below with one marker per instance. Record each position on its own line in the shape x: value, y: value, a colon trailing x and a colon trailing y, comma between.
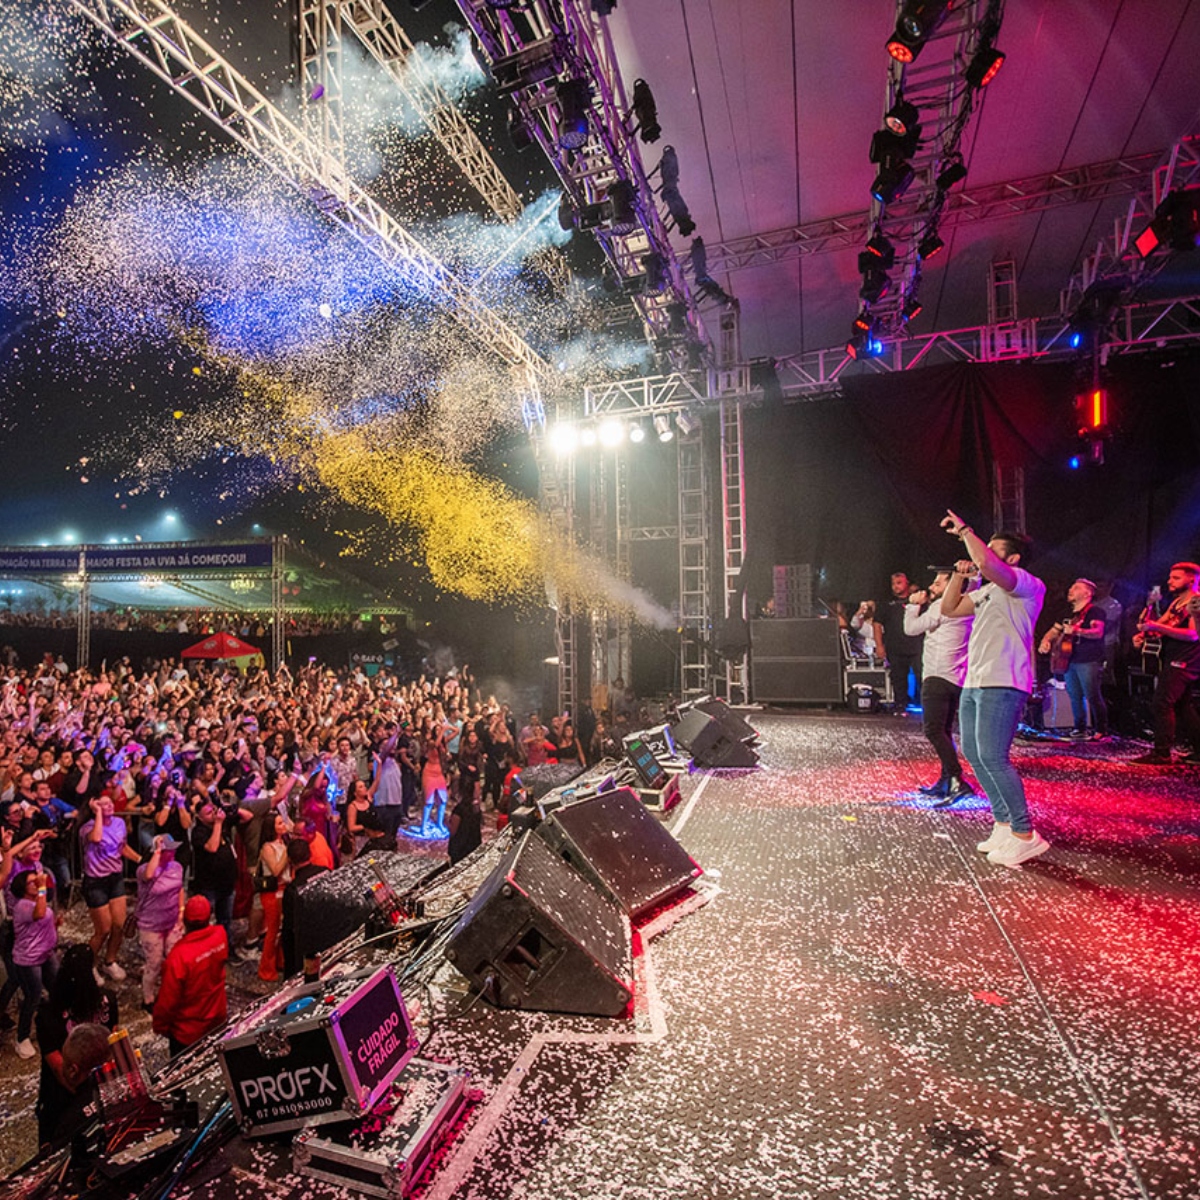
x: 646, y: 112
x: 574, y: 100
x: 1176, y: 223
x: 916, y: 150
x: 953, y: 171
x: 557, y: 60
x: 916, y: 23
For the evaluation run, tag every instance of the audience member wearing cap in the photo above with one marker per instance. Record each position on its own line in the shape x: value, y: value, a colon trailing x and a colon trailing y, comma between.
x: 191, y: 1000
x: 159, y: 899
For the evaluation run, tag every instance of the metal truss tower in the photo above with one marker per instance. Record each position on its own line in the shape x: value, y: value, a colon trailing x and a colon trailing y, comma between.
x: 322, y: 25
x: 695, y: 582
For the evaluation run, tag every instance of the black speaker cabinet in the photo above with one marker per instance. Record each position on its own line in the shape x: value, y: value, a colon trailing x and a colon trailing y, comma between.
x: 797, y: 661
x: 621, y: 848
x: 334, y: 904
x: 708, y: 743
x: 733, y: 723
x: 538, y: 936
x: 544, y: 778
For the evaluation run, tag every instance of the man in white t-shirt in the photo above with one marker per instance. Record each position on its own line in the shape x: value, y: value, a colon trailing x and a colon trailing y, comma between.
x: 999, y: 679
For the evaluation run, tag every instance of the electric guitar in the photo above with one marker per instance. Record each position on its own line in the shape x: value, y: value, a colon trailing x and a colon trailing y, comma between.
x: 1176, y: 615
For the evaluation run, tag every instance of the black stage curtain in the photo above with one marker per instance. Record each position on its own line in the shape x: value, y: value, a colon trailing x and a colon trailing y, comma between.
x: 856, y: 485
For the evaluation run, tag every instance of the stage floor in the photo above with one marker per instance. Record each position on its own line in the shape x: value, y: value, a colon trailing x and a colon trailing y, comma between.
x: 857, y: 1003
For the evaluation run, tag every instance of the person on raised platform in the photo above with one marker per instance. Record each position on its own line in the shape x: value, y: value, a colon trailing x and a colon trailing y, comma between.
x: 999, y: 679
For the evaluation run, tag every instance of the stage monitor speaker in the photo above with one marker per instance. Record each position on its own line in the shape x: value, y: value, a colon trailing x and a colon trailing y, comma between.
x: 621, y: 848
x: 708, y: 743
x: 544, y: 778
x: 733, y: 723
x: 331, y: 906
x: 538, y: 936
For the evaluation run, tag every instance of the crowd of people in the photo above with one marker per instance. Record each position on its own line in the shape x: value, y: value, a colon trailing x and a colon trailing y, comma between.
x: 175, y: 801
x: 201, y: 622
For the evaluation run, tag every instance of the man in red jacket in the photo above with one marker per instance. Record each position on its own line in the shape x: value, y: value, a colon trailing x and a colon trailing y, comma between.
x: 191, y: 999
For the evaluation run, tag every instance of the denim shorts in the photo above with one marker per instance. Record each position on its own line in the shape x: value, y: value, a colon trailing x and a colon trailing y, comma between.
x: 98, y: 890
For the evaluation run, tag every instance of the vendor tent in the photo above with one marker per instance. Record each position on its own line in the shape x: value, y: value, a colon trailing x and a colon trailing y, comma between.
x: 226, y: 647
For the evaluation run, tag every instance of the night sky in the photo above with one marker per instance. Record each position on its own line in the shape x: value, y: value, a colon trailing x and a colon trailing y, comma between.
x: 181, y: 332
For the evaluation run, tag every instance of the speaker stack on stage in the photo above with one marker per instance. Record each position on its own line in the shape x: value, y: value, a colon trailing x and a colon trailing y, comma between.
x: 538, y: 936
x: 711, y: 741
x: 549, y: 929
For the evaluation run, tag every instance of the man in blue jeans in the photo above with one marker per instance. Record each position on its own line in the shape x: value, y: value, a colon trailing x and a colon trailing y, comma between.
x: 1000, y: 678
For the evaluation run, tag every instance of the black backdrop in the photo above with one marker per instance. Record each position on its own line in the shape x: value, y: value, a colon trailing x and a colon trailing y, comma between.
x: 856, y: 485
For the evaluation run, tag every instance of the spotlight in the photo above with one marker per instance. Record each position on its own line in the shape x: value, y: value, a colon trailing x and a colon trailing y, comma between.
x: 912, y: 308
x: 531, y: 64
x: 519, y: 133
x: 646, y: 111
x: 566, y: 214
x: 892, y: 181
x: 876, y: 284
x: 592, y: 216
x: 862, y: 323
x: 929, y: 245
x: 603, y: 8
x: 954, y: 170
x: 1176, y: 223
x: 699, y: 256
x: 637, y: 432
x: 687, y: 423
x: 622, y: 211
x: 677, y: 317
x: 574, y: 98
x: 655, y: 268
x: 612, y: 432
x: 984, y: 67
x: 916, y: 24
x: 887, y: 146
x: 902, y: 117
x: 882, y: 252
x: 864, y: 345
x: 662, y: 426
x: 1074, y: 462
x: 564, y: 438
x: 678, y: 210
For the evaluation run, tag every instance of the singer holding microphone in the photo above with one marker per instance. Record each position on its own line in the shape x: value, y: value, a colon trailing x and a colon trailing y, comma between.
x: 999, y: 679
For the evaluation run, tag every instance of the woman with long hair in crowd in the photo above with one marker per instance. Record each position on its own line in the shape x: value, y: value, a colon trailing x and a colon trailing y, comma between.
x: 35, y: 942
x: 434, y: 754
x: 362, y: 823
x: 569, y: 748
x: 270, y: 880
x: 105, y: 847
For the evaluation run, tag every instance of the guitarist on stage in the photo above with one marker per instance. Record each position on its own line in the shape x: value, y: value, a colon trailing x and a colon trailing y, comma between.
x: 1076, y: 648
x: 1179, y: 631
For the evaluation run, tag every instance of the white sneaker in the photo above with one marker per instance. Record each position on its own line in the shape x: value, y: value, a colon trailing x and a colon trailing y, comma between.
x: 25, y: 1049
x: 115, y: 971
x: 999, y: 835
x: 98, y: 976
x: 1017, y: 850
